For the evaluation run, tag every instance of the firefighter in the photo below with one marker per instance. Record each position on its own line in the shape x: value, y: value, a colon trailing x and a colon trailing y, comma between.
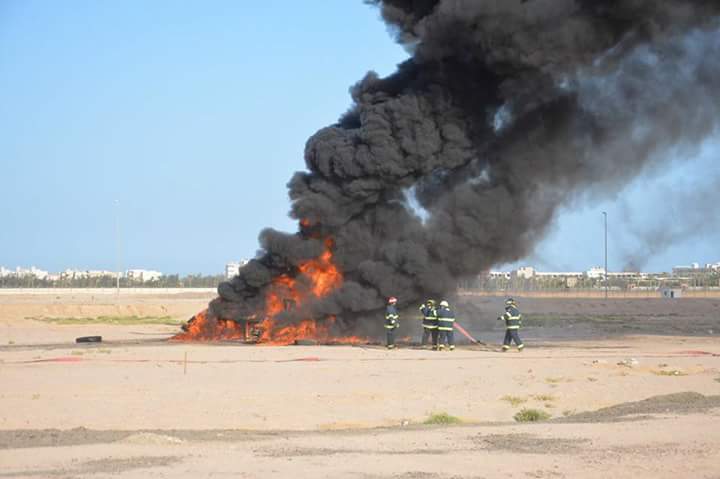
x: 446, y: 323
x: 391, y: 321
x: 513, y: 320
x: 430, y: 322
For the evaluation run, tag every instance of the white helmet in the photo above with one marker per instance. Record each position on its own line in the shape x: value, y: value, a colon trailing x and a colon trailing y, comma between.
x: 444, y: 304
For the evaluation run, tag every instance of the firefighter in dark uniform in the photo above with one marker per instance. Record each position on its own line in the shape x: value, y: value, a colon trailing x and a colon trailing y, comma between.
x: 513, y: 320
x: 430, y: 323
x: 446, y: 324
x: 391, y: 321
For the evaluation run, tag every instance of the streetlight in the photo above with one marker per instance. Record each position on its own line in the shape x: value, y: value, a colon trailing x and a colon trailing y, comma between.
x: 606, y: 269
x: 117, y: 245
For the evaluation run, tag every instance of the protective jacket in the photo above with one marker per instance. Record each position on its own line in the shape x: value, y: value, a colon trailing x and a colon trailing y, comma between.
x: 512, y: 317
x: 446, y: 319
x: 391, y: 317
x: 430, y: 316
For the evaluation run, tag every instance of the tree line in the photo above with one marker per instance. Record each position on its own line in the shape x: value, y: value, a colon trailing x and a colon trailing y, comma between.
x: 167, y: 281
x: 515, y: 283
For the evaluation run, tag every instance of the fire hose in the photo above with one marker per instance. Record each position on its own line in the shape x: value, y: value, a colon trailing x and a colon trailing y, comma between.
x: 465, y: 333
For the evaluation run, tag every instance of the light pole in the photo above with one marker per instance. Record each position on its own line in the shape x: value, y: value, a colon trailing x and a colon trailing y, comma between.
x: 117, y: 246
x: 606, y: 269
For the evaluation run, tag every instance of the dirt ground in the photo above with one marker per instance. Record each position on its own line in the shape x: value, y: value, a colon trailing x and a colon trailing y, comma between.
x: 632, y: 388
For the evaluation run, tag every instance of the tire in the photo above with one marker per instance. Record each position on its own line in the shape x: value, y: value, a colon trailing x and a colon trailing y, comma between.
x: 88, y: 339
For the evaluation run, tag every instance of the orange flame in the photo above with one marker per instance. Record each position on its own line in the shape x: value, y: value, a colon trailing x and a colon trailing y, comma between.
x: 200, y: 328
x: 322, y: 276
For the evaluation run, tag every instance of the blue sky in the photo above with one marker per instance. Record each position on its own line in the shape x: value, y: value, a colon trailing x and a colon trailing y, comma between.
x: 194, y: 115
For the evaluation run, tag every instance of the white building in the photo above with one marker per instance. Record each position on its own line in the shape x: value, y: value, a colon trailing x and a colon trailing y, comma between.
x: 499, y: 274
x: 559, y: 274
x: 38, y: 273
x: 73, y: 274
x: 5, y: 272
x: 142, y: 275
x: 526, y: 272
x: 101, y: 274
x: 625, y: 275
x: 25, y: 272
x: 232, y: 269
x: 595, y: 272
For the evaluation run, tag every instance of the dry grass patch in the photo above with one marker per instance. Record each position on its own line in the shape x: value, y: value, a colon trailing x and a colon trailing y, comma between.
x: 544, y: 397
x: 557, y: 380
x: 514, y: 400
x: 113, y: 320
x: 674, y: 372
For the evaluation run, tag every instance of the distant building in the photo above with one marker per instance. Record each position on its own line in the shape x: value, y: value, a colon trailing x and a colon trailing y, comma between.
x: 5, y: 272
x: 526, y: 272
x: 625, y: 275
x: 38, y: 273
x: 499, y: 274
x: 692, y: 270
x: 142, y: 275
x: 595, y: 272
x: 671, y: 293
x: 232, y: 269
x: 559, y: 274
x: 101, y: 274
x: 73, y: 274
x: 28, y: 272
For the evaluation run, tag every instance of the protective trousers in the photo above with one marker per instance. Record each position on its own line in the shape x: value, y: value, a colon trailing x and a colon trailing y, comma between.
x: 430, y: 334
x: 510, y: 336
x: 390, y: 337
x: 446, y: 337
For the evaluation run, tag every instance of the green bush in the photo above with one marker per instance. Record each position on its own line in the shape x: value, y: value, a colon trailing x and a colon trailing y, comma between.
x: 442, y: 418
x: 531, y: 415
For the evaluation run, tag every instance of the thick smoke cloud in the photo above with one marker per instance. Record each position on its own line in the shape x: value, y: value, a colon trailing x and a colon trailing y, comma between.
x: 505, y: 111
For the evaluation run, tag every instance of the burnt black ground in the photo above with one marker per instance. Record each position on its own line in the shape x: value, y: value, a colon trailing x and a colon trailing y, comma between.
x: 552, y: 319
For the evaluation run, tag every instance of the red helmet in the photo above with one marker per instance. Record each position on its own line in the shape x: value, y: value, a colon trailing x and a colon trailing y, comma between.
x: 392, y: 300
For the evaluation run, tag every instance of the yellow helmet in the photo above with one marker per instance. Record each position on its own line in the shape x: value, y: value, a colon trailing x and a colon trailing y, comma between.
x: 444, y: 304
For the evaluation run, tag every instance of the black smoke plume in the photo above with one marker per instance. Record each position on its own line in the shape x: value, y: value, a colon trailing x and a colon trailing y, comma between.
x: 505, y: 111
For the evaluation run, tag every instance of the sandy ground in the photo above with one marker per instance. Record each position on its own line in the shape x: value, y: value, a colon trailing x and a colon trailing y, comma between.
x: 623, y: 404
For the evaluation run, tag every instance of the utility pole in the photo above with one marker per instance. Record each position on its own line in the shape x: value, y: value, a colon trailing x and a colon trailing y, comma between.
x: 117, y: 246
x: 606, y: 268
